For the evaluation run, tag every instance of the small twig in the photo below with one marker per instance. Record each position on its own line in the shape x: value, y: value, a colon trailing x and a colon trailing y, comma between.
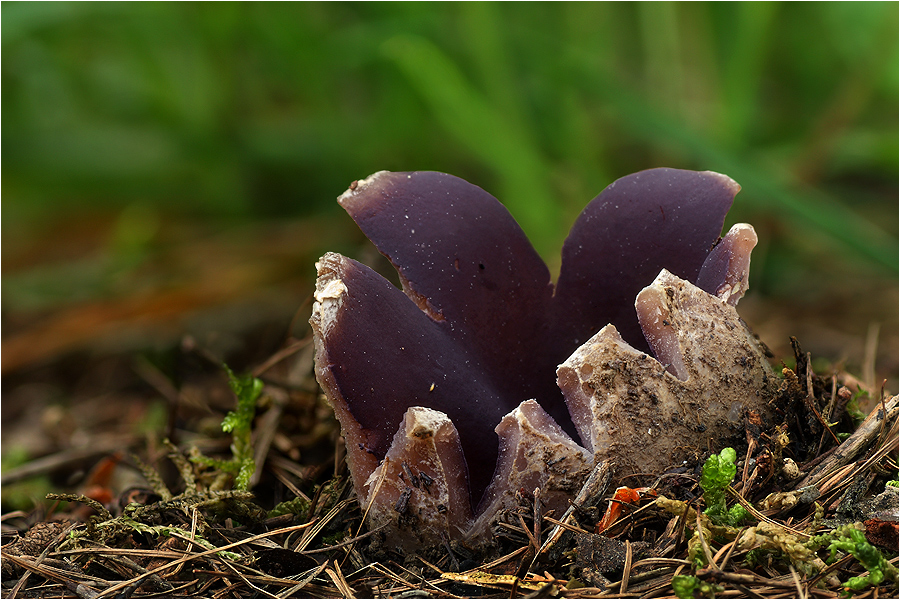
x: 751, y: 446
x: 747, y: 591
x: 661, y: 562
x: 52, y: 573
x: 384, y: 469
x: 811, y: 399
x: 761, y: 517
x: 266, y: 428
x: 800, y: 593
x: 259, y: 591
x: 391, y: 575
x: 626, y: 572
x: 281, y: 468
x: 590, y: 493
x: 829, y: 411
x: 869, y: 354
x: 742, y: 578
x: 311, y: 574
x: 321, y: 523
x: 108, y: 551
x: 349, y: 542
x: 566, y: 526
x: 454, y: 564
x: 680, y: 528
x: 499, y: 561
x: 422, y: 578
x: 706, y: 551
x: 726, y: 550
x: 883, y: 408
x: 150, y: 373
x: 158, y: 582
x: 279, y: 356
x: 530, y: 535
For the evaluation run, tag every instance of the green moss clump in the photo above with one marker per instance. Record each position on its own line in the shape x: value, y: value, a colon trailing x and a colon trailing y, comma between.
x: 718, y: 473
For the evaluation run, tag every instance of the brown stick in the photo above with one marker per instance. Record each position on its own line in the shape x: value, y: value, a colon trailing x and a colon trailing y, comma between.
x: 882, y: 415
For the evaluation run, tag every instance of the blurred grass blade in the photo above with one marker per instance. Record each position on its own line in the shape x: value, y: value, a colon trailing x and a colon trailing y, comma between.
x: 487, y: 132
x: 807, y: 209
x: 485, y: 39
x: 742, y: 71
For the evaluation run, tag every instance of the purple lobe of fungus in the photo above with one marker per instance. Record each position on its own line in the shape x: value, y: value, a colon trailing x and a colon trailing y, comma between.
x: 480, y: 328
x: 641, y: 223
x: 385, y: 354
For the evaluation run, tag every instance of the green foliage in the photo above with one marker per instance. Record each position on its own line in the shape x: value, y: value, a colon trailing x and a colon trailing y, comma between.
x: 710, y: 530
x: 718, y: 473
x: 757, y: 556
x: 247, y: 389
x: 237, y: 110
x: 853, y: 541
x: 294, y: 506
x: 688, y: 586
x: 853, y: 409
x: 239, y: 423
x: 25, y: 494
x: 767, y: 540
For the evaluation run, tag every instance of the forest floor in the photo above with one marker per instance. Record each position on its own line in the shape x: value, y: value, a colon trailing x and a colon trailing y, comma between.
x: 95, y: 381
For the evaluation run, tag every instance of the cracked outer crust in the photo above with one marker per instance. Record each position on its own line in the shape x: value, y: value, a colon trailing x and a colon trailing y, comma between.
x: 622, y: 399
x: 534, y: 453
x: 421, y: 483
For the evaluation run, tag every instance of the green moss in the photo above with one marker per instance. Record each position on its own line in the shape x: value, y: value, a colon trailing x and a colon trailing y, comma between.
x: 853, y: 409
x: 718, y: 472
x: 850, y: 540
x: 295, y: 506
x: 239, y: 423
x: 688, y: 586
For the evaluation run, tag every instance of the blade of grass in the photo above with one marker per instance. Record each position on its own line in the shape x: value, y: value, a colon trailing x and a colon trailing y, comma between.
x: 487, y: 132
x: 809, y: 209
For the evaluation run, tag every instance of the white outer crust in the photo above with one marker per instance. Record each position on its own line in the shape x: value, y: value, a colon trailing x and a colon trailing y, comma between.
x: 641, y: 416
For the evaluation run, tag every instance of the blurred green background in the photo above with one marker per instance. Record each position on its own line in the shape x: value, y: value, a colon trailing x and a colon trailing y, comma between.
x: 129, y: 126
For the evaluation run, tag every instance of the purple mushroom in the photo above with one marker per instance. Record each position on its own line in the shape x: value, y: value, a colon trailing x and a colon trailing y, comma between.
x: 479, y: 328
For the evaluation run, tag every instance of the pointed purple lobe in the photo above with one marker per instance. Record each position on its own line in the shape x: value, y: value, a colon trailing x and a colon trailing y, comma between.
x: 641, y: 223
x: 726, y: 271
x: 466, y: 262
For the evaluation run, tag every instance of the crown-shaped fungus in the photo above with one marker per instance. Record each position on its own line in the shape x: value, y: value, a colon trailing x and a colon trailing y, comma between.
x: 447, y: 391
